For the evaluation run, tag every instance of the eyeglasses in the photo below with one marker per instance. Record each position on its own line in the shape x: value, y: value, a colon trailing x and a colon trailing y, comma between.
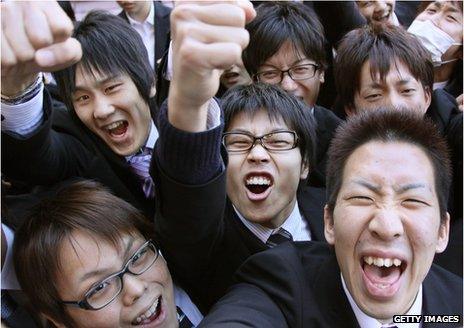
x: 104, y: 292
x: 296, y: 73
x: 274, y: 141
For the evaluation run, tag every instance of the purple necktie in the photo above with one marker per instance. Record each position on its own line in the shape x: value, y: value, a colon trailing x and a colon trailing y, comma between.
x: 140, y: 165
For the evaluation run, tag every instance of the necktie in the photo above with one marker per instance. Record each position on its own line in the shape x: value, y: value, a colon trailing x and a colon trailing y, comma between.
x: 279, y: 237
x: 184, y: 322
x: 140, y: 165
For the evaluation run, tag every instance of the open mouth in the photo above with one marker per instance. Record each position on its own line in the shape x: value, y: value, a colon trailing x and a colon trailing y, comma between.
x: 258, y: 185
x: 150, y: 315
x: 382, y: 275
x: 117, y: 129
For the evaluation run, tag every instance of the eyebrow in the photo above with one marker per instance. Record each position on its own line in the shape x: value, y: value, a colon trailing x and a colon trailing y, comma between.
x: 100, y: 272
x: 248, y: 132
x: 368, y: 185
x: 96, y: 83
x: 410, y: 186
x: 295, y: 63
x: 376, y: 85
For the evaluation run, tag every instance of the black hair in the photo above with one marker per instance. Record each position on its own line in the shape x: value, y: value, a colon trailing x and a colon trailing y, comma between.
x: 278, y: 104
x: 280, y: 22
x: 110, y: 46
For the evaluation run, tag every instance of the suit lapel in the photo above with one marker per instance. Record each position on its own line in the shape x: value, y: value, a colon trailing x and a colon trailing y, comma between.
x: 332, y: 298
x: 311, y: 202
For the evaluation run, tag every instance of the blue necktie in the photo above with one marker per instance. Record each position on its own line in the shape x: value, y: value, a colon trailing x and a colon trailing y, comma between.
x: 184, y: 322
x: 140, y: 165
x: 279, y: 237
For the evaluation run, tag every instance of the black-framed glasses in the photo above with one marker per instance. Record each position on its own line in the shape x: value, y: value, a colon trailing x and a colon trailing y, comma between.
x: 296, y: 73
x: 104, y: 292
x: 274, y: 141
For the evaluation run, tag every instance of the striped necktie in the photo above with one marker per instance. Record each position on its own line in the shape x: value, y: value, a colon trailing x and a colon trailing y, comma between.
x: 279, y: 237
x: 184, y: 322
x: 140, y: 165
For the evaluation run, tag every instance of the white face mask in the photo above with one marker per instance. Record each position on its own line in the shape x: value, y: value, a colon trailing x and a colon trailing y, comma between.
x: 436, y: 41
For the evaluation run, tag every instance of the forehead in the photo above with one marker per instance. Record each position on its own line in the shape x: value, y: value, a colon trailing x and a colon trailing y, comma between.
x: 91, y: 76
x: 398, y: 71
x: 258, y: 121
x: 446, y: 6
x: 288, y: 54
x: 389, y: 164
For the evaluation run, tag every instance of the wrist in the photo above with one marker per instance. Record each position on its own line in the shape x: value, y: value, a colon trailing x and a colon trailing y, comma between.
x: 18, y: 95
x: 13, y: 86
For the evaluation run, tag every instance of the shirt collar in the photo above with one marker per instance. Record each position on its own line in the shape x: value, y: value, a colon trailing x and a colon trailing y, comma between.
x: 291, y: 224
x: 366, y: 321
x: 152, y: 137
x: 150, y: 18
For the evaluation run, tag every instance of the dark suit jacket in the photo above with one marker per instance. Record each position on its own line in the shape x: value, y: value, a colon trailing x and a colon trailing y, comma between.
x: 63, y: 148
x: 162, y: 28
x: 298, y: 285
x: 204, y: 241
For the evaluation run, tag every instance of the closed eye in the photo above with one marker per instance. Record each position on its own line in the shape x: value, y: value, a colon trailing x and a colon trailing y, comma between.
x: 112, y: 87
x: 415, y: 201
x: 360, y: 200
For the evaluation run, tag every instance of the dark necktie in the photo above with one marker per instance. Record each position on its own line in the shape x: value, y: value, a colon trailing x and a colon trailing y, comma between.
x: 278, y: 238
x: 184, y: 322
x: 140, y: 165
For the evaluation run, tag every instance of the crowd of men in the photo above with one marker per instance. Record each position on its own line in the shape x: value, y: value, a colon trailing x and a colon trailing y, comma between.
x: 232, y: 164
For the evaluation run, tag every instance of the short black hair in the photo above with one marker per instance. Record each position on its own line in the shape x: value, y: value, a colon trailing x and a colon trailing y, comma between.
x: 389, y: 125
x: 278, y: 104
x: 110, y: 46
x: 381, y: 45
x: 279, y: 22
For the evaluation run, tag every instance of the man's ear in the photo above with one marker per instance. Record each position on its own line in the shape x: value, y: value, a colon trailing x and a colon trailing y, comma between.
x: 428, y: 98
x: 322, y: 77
x: 329, y: 232
x: 153, y: 90
x: 443, y: 234
x: 55, y: 323
x: 304, y: 170
x: 349, y: 110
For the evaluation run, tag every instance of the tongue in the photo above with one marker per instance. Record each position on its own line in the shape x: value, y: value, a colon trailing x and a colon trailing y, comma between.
x: 119, y: 130
x: 382, y: 275
x: 257, y: 189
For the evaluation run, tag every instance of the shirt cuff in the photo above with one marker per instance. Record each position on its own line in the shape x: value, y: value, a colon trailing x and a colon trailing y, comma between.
x: 9, y: 280
x: 25, y: 118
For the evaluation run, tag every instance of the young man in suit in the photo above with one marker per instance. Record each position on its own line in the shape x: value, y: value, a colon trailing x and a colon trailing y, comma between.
x: 106, y: 131
x: 387, y: 66
x: 207, y: 227
x: 151, y: 20
x: 387, y: 180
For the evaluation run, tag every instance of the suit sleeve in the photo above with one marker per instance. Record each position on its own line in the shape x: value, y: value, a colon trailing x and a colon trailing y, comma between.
x: 46, y: 155
x: 245, y: 305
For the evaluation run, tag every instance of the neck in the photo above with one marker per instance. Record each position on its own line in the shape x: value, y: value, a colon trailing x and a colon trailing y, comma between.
x: 142, y: 14
x: 443, y: 72
x: 281, y: 217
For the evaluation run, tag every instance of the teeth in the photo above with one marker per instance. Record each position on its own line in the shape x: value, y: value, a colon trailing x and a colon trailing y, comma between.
x: 148, y: 313
x: 380, y: 262
x: 388, y: 262
x: 114, y: 125
x: 258, y: 181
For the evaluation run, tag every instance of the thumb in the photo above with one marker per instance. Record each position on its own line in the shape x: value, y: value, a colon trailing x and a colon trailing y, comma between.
x: 59, y: 55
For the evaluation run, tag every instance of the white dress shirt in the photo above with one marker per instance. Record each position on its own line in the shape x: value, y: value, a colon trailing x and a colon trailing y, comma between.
x: 295, y: 224
x: 146, y: 30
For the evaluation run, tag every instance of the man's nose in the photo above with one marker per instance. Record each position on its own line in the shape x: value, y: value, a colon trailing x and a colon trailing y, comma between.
x: 102, y: 108
x: 287, y: 83
x: 258, y: 154
x: 386, y: 224
x: 134, y: 287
